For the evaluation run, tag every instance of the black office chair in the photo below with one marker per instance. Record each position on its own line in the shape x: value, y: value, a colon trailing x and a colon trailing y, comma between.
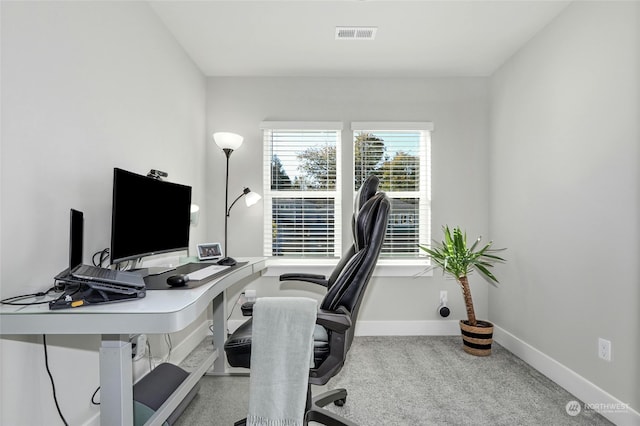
x: 338, y: 310
x: 368, y: 189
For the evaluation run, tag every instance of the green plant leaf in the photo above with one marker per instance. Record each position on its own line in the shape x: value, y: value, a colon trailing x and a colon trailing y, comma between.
x: 456, y: 259
x: 483, y: 269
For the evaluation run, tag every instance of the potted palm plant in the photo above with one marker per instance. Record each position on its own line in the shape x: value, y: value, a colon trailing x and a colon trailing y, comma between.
x: 458, y: 260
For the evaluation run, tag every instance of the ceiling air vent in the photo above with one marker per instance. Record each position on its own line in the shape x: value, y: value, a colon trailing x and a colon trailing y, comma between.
x: 356, y: 33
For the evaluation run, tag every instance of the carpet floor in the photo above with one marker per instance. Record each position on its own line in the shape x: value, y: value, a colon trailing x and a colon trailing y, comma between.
x: 426, y: 380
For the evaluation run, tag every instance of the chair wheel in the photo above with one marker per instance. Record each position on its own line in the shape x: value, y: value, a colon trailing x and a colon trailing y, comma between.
x: 340, y: 402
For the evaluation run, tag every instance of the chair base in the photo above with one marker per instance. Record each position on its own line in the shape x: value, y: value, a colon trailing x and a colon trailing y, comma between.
x: 316, y: 412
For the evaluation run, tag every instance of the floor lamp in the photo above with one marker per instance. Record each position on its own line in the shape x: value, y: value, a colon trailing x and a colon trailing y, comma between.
x: 228, y: 142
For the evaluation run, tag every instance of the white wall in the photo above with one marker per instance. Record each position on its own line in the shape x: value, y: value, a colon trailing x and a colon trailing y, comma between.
x: 565, y: 192
x: 458, y: 107
x: 90, y: 86
x: 86, y: 86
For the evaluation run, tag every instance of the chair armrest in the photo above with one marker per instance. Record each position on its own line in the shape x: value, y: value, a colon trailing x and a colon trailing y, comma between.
x: 247, y: 309
x: 337, y: 324
x: 311, y: 278
x: 334, y: 321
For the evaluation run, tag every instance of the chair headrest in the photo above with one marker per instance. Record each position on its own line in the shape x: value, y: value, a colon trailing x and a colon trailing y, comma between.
x: 367, y: 190
x: 365, y: 220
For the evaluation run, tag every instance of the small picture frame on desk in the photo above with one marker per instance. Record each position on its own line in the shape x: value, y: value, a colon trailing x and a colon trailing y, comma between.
x: 209, y: 251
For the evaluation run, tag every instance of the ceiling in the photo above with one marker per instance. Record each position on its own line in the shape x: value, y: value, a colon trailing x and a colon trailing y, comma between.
x: 297, y: 37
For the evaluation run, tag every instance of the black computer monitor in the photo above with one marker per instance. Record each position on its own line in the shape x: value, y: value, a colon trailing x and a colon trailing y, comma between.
x: 149, y: 216
x: 76, y: 238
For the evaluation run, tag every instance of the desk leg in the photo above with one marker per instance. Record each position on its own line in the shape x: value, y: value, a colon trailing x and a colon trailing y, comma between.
x: 219, y: 333
x: 116, y: 388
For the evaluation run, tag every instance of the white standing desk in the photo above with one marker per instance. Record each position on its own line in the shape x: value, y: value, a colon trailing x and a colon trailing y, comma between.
x: 161, y: 311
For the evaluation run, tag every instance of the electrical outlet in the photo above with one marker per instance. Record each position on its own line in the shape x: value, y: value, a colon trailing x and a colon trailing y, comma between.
x: 250, y: 294
x: 604, y: 349
x: 443, y: 296
x: 138, y: 346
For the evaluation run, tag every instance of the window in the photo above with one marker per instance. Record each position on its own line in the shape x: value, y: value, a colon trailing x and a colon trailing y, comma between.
x: 302, y: 189
x: 302, y: 186
x: 399, y: 154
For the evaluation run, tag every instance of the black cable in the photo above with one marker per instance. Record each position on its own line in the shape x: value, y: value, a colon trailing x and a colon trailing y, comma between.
x: 53, y: 385
x: 234, y: 305
x: 127, y: 265
x: 103, y: 255
x: 231, y: 313
x: 93, y: 401
x: 13, y: 300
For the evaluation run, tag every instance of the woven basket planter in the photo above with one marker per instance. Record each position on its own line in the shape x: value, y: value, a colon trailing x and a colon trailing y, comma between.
x: 477, y: 339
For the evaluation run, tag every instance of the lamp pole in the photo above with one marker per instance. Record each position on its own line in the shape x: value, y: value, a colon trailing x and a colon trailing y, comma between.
x: 227, y: 152
x: 228, y: 142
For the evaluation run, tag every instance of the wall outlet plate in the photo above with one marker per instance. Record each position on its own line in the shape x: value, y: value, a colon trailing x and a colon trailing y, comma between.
x: 250, y: 294
x: 604, y: 349
x: 138, y: 346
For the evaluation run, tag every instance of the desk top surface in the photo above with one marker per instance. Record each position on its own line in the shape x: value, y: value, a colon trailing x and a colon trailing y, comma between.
x: 161, y: 311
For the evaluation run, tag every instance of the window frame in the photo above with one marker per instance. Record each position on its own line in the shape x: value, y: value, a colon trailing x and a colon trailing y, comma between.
x: 269, y: 194
x: 387, y: 267
x: 424, y: 191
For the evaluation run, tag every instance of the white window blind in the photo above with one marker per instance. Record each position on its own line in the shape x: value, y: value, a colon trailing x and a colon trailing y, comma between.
x: 399, y: 154
x: 302, y: 201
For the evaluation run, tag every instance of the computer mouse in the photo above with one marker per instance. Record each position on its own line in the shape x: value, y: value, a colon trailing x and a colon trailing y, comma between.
x: 227, y: 261
x: 178, y: 280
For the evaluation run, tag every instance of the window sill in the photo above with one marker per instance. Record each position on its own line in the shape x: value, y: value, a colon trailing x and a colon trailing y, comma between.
x: 384, y: 268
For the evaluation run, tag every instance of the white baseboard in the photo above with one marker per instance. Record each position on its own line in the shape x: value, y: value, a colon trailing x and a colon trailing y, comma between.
x: 94, y: 420
x: 392, y: 328
x: 408, y: 328
x: 592, y: 396
x: 189, y: 343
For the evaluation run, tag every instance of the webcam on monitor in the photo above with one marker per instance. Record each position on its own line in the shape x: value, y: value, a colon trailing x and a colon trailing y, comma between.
x: 157, y: 174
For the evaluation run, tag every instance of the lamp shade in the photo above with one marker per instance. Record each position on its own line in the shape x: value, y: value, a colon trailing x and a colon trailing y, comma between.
x: 195, y: 214
x: 226, y: 140
x: 251, y: 198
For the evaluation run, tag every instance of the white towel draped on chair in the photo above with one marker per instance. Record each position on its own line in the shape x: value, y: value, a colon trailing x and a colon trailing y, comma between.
x: 281, y: 353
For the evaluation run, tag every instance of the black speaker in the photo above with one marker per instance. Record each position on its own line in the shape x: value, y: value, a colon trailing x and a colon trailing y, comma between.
x: 444, y: 311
